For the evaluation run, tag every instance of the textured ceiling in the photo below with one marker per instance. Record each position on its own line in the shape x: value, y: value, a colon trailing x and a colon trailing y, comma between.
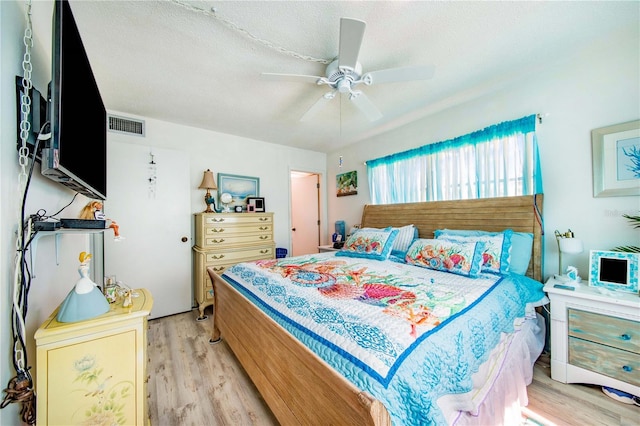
x: 180, y: 62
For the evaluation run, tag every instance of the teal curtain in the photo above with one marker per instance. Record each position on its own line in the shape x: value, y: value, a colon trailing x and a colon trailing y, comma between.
x: 498, y: 161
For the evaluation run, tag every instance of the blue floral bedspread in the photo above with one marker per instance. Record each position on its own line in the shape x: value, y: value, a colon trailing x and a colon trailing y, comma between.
x: 405, y: 334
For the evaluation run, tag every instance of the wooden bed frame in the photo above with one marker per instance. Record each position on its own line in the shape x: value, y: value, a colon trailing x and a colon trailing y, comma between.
x: 297, y: 385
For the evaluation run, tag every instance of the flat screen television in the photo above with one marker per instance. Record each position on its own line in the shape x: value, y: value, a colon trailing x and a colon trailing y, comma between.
x: 76, y: 154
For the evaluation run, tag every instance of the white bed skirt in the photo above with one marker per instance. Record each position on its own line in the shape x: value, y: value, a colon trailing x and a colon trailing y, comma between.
x: 500, y: 386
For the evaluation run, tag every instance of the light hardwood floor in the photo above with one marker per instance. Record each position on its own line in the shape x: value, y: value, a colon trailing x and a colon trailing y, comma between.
x: 195, y: 383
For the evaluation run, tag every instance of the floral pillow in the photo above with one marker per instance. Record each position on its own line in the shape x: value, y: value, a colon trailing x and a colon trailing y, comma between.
x: 369, y: 243
x: 497, y: 248
x: 462, y: 258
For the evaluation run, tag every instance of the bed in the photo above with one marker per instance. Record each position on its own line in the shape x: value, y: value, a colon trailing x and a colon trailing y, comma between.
x: 400, y: 367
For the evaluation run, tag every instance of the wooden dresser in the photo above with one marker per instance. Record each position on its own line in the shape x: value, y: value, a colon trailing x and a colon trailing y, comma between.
x: 95, y: 371
x: 224, y: 239
x: 595, y: 337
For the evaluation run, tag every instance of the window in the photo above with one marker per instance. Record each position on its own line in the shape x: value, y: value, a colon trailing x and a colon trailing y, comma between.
x: 498, y: 161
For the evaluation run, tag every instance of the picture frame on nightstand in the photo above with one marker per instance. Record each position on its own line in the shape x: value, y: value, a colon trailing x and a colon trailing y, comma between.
x: 614, y: 270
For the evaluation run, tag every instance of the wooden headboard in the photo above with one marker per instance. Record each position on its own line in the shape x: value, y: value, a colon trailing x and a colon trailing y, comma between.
x: 521, y: 214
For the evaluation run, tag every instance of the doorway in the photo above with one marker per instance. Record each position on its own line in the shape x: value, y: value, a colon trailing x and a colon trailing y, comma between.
x: 305, y: 212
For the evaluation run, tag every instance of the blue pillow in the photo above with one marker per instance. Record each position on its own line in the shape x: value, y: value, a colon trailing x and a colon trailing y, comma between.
x: 497, y: 251
x: 369, y: 243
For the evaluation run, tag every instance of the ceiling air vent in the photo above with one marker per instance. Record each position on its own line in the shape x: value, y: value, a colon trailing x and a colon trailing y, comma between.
x: 128, y: 126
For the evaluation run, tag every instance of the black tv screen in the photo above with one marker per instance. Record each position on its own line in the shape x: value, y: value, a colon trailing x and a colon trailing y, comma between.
x: 76, y: 155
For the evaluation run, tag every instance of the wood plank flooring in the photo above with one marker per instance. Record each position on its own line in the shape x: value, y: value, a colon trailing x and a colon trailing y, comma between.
x: 195, y: 383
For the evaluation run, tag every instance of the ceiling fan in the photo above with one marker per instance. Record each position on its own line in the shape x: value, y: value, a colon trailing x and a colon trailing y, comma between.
x: 344, y: 74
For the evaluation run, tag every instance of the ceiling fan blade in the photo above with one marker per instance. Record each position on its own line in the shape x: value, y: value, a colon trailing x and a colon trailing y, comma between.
x: 320, y: 103
x: 393, y: 75
x: 365, y: 105
x: 351, y: 34
x: 295, y: 78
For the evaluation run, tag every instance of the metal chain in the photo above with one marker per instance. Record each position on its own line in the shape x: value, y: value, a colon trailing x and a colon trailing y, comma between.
x: 25, y: 102
x: 266, y: 43
x: 23, y: 160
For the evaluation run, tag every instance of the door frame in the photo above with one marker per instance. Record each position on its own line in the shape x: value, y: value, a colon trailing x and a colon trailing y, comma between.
x: 322, y: 201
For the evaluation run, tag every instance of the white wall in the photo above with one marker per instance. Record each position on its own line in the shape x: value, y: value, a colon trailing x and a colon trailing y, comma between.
x: 593, y: 88
x: 223, y: 153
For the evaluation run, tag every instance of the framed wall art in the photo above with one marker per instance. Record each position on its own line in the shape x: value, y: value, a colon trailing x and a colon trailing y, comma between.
x: 239, y: 187
x: 347, y: 183
x: 616, y: 160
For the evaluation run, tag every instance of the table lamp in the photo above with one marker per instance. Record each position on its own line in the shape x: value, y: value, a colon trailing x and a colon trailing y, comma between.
x: 568, y: 244
x: 209, y: 183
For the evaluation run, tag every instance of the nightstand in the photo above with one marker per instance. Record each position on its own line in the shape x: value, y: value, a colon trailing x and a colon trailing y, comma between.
x: 95, y: 371
x: 323, y: 249
x: 595, y: 336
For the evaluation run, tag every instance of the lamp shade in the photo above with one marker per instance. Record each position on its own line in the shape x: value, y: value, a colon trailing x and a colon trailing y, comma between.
x: 208, y: 182
x: 570, y: 245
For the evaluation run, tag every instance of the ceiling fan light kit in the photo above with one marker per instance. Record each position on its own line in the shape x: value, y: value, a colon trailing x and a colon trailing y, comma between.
x: 344, y: 73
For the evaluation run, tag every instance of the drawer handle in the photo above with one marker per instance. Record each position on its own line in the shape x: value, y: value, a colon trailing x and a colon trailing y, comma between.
x: 627, y: 368
x: 264, y: 251
x: 218, y: 256
x: 625, y: 337
x: 264, y: 237
x: 263, y: 219
x: 263, y: 228
x: 218, y: 229
x: 217, y: 219
x: 218, y: 269
x: 221, y: 240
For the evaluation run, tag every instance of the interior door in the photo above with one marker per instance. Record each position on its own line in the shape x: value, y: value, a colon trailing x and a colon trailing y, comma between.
x: 155, y: 221
x: 305, y: 213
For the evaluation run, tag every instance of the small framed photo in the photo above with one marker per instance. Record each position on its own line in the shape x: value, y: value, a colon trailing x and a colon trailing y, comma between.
x: 255, y: 204
x: 614, y: 270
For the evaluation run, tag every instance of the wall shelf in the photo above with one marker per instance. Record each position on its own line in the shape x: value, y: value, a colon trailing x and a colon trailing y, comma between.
x: 57, y: 234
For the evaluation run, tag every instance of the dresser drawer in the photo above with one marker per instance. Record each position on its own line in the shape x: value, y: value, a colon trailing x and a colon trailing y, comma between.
x: 243, y: 218
x: 231, y: 257
x: 612, y: 362
x: 234, y: 240
x: 225, y: 230
x: 604, y: 329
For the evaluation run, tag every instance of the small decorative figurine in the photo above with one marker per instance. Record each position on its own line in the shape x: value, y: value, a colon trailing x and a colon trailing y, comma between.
x: 126, y: 302
x: 85, y: 300
x: 572, y: 274
x: 93, y: 210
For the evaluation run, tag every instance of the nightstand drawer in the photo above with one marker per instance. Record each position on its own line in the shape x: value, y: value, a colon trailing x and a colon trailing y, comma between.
x: 611, y: 331
x: 612, y: 362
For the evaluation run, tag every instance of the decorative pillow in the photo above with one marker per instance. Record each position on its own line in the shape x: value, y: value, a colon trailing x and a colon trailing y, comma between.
x: 497, y: 250
x: 369, y: 243
x: 521, y: 245
x: 406, y: 235
x: 462, y: 258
